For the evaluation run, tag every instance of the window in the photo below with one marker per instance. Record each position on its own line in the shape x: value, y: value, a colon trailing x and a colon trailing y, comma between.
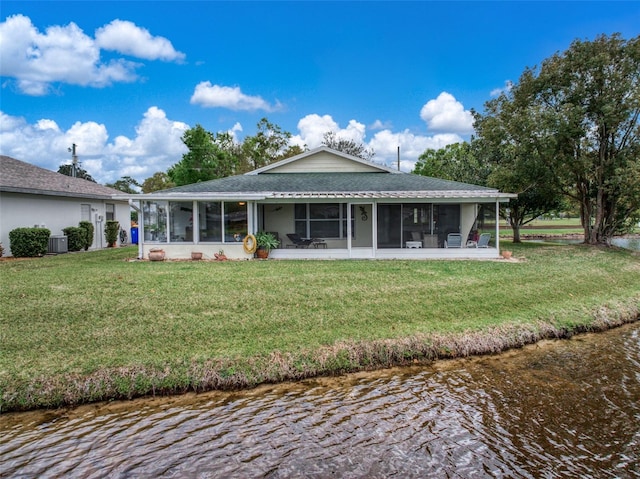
x: 85, y: 212
x: 321, y: 220
x: 402, y: 222
x: 176, y: 218
x: 235, y: 221
x: 181, y: 221
x: 210, y: 221
x: 110, y: 210
x: 155, y: 220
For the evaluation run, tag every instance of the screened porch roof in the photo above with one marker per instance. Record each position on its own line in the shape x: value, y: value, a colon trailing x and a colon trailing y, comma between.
x: 283, y: 186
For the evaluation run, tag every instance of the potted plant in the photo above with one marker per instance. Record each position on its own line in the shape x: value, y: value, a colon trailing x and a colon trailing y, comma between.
x: 111, y: 230
x: 265, y: 243
x: 156, y: 254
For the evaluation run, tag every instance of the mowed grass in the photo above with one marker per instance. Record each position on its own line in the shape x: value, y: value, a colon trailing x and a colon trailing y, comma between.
x: 82, y: 314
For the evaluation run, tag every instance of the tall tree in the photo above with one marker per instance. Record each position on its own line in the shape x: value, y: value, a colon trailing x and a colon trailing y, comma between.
x: 209, y: 157
x: 268, y: 145
x: 583, y: 106
x: 456, y: 162
x: 125, y: 184
x: 159, y: 181
x: 506, y: 140
x: 350, y: 147
x: 80, y: 172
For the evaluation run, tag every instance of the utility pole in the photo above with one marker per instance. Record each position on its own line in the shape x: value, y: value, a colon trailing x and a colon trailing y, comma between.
x: 74, y: 161
x: 398, y: 157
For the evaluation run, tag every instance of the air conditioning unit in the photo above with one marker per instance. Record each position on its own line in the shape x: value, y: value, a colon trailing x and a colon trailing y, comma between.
x: 58, y: 244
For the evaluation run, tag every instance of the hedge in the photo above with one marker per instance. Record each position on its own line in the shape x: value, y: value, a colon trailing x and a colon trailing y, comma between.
x: 76, y: 237
x: 29, y: 242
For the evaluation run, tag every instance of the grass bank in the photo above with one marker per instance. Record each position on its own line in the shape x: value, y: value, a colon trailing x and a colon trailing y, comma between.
x: 93, y: 326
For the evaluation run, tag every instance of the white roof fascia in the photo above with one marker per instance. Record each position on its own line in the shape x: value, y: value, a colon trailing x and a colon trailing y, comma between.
x: 190, y: 196
x: 317, y: 150
x: 463, y: 194
x: 249, y: 196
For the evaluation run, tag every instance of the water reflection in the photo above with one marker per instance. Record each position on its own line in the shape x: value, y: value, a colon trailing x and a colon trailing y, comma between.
x: 556, y: 409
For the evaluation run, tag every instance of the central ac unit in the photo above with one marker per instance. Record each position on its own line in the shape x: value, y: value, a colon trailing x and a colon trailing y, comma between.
x: 58, y: 244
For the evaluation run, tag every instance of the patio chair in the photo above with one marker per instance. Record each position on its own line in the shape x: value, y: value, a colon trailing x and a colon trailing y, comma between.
x: 454, y: 240
x: 298, y: 241
x: 483, y: 241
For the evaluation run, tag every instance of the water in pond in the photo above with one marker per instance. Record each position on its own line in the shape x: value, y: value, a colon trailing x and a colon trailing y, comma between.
x: 556, y: 409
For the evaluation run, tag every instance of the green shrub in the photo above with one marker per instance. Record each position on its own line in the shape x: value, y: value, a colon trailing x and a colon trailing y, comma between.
x: 76, y: 237
x: 29, y: 242
x: 88, y: 227
x: 111, y: 230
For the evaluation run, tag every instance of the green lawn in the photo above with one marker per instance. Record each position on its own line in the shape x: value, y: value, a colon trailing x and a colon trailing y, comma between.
x: 555, y: 227
x: 90, y: 326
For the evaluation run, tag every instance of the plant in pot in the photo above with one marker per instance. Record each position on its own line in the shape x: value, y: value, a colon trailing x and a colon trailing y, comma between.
x: 111, y: 230
x: 265, y: 243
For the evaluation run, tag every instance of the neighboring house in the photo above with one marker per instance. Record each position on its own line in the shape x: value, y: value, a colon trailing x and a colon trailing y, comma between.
x: 33, y: 196
x: 351, y: 208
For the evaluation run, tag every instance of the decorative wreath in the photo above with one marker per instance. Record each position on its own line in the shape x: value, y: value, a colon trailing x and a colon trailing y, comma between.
x: 249, y: 244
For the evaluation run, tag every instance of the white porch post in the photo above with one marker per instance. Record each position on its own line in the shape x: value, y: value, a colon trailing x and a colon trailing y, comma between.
x: 195, y: 223
x: 349, y: 206
x: 374, y: 226
x: 498, y: 225
x: 252, y: 220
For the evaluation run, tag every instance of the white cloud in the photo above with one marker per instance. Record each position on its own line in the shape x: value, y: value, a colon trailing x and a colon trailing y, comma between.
x: 380, y: 125
x: 508, y: 85
x: 66, y: 54
x: 234, y: 130
x: 156, y: 146
x: 232, y: 98
x: 384, y: 143
x: 313, y: 127
x: 127, y: 38
x: 447, y: 114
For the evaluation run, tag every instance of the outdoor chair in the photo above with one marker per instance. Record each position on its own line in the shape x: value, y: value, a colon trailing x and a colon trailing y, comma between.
x: 298, y: 241
x: 483, y: 241
x: 454, y: 240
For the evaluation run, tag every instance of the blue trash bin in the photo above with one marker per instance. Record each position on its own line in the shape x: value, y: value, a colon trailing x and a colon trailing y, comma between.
x: 134, y: 235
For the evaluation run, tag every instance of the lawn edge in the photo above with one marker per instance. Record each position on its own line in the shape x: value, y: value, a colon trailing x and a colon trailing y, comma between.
x: 125, y: 383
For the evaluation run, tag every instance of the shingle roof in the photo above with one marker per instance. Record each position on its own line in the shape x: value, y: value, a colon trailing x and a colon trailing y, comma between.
x: 294, y: 185
x: 19, y: 177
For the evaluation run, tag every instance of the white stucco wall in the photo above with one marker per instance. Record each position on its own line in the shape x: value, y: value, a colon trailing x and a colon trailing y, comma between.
x: 19, y: 210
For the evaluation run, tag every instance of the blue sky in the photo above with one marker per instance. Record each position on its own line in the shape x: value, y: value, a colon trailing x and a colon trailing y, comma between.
x: 123, y: 80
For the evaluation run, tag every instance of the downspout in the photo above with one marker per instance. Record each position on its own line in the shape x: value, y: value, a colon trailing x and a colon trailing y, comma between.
x: 140, y: 227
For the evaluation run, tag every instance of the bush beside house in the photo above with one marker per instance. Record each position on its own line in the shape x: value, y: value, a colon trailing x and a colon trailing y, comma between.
x: 76, y: 237
x: 88, y: 230
x: 29, y: 242
x: 111, y: 230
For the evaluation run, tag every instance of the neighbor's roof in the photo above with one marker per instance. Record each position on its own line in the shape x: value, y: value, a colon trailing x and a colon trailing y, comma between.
x: 19, y: 177
x: 328, y: 185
